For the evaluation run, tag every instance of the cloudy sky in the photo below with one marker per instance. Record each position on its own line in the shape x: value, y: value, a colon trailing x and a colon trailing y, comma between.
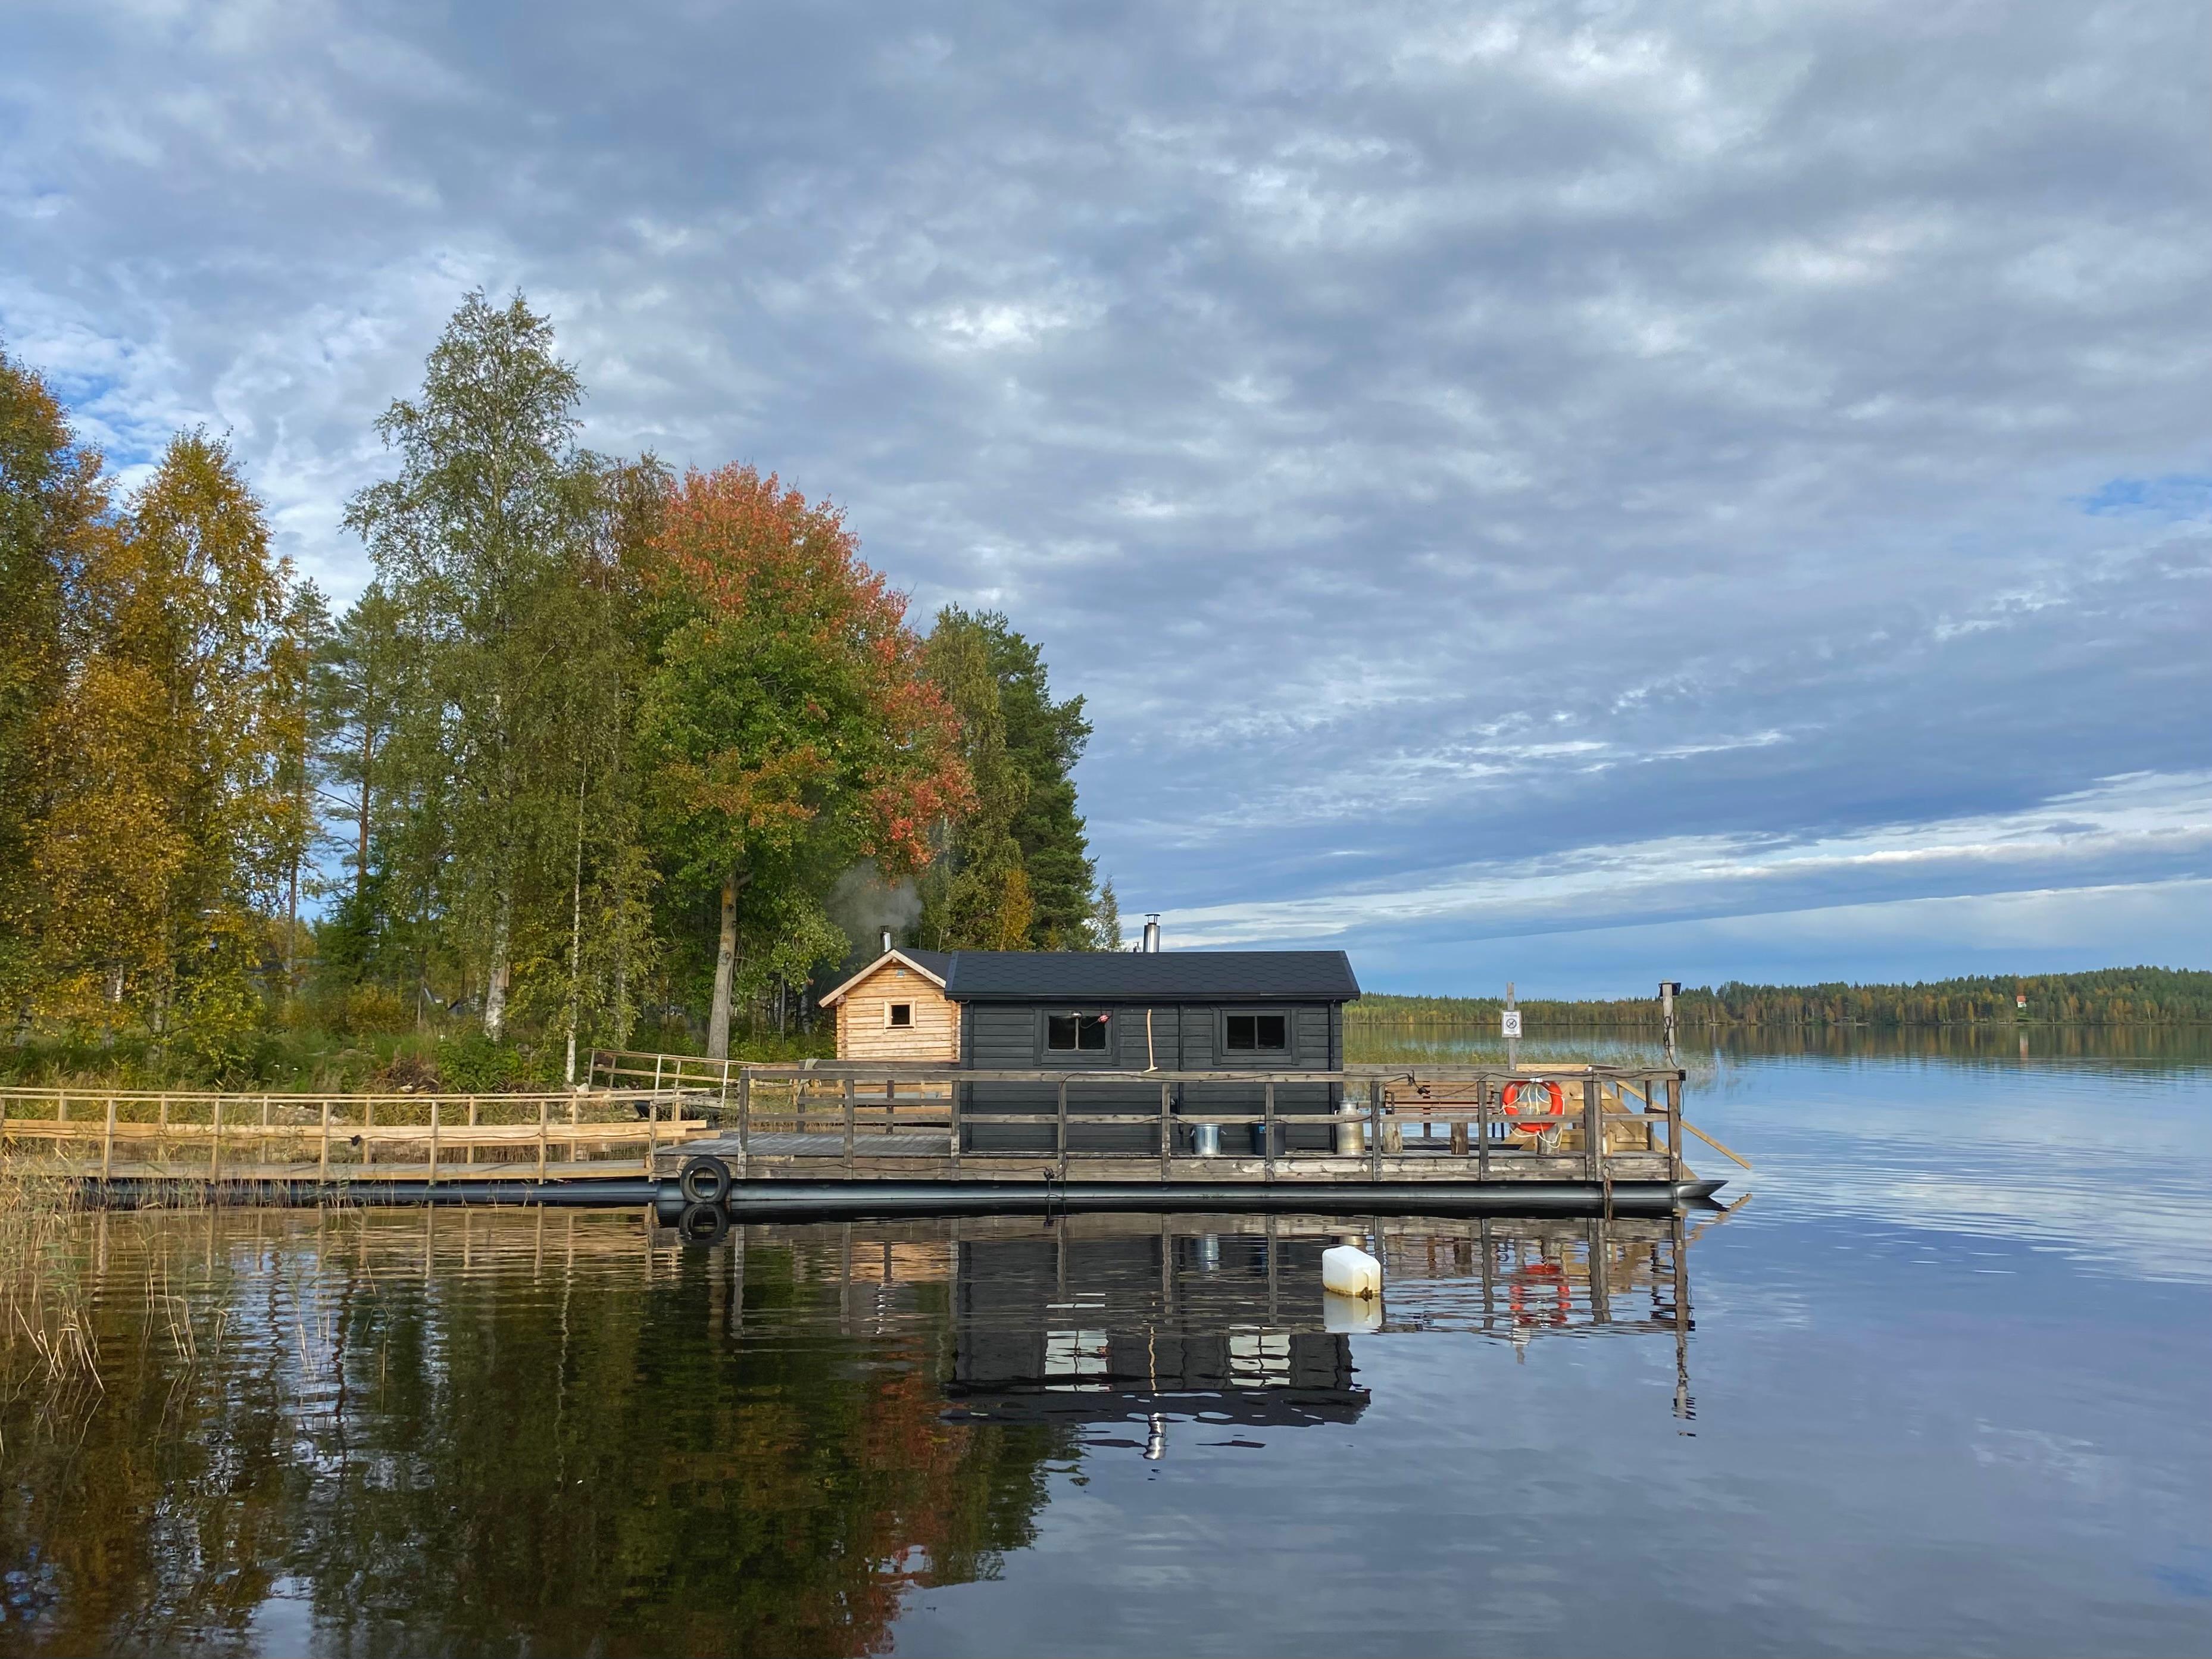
x: 1575, y: 493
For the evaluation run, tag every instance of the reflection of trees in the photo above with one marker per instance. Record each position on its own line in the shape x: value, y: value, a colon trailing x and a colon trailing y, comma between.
x: 543, y: 1454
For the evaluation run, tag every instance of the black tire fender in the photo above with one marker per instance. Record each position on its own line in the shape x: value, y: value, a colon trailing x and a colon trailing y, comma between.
x: 705, y: 1180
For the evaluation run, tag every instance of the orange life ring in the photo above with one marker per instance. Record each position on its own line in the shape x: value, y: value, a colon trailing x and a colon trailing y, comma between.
x: 1552, y: 1117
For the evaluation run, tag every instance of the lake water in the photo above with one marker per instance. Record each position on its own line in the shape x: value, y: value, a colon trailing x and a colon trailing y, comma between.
x: 1939, y: 1387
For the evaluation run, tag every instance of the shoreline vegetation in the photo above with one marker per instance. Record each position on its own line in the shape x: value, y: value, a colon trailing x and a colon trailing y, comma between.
x: 604, y: 755
x: 2108, y: 996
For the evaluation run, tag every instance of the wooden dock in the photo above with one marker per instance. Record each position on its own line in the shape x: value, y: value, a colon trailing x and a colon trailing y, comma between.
x: 836, y: 1134
x: 856, y: 1136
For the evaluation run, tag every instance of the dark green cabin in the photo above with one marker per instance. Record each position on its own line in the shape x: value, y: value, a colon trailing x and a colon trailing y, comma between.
x: 1165, y: 1011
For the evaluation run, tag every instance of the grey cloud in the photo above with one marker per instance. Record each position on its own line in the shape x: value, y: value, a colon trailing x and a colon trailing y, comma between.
x: 1426, y: 436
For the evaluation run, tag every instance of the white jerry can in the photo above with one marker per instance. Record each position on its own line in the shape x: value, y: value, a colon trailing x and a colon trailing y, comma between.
x: 1347, y: 1270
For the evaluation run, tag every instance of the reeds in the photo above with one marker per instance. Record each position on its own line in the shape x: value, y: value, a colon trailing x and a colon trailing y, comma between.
x: 46, y: 1335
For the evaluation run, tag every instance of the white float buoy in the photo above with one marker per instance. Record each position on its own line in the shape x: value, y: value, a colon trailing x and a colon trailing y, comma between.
x: 1347, y: 1270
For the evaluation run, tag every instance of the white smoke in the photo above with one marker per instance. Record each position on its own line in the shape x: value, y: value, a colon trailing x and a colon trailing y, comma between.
x: 863, y: 904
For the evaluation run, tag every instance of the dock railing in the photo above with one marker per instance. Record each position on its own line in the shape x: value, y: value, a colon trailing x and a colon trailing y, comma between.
x: 184, y: 1135
x: 1579, y: 1116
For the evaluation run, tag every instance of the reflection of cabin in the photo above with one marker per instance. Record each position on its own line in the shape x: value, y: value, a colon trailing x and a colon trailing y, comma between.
x: 1104, y: 1328
x: 896, y: 1009
x: 1168, y: 1011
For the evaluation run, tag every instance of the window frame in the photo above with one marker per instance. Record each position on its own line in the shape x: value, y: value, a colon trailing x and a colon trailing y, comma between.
x: 1257, y: 1057
x: 895, y: 1024
x: 1048, y: 1055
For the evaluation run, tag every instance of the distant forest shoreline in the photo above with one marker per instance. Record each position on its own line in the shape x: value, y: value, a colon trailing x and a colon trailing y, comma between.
x: 2109, y: 996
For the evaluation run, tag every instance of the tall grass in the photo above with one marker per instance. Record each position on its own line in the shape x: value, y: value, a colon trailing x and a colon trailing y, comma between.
x: 45, y: 1292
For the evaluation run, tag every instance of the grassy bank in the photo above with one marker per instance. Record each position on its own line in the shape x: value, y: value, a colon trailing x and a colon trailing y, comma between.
x: 310, y: 1059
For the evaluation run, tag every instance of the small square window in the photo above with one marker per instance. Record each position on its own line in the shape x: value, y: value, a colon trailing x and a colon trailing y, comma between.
x: 1255, y: 1033
x: 1068, y: 1034
x: 898, y: 1013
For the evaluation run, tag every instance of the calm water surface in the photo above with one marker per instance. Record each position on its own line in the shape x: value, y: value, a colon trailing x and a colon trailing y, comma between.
x: 1939, y: 1387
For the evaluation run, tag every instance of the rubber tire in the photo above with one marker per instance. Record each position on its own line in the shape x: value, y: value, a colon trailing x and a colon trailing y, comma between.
x: 704, y: 1181
x: 702, y: 1224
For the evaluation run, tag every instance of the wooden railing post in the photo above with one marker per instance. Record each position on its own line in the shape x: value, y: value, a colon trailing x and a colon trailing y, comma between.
x: 469, y: 1152
x: 323, y: 1159
x: 215, y: 1145
x: 1167, y: 1126
x: 1062, y: 1131
x: 1482, y: 1131
x: 367, y: 1127
x: 545, y: 1123
x: 745, y: 1112
x: 434, y: 1142
x: 107, y: 1145
x: 1593, y: 1128
x: 1674, y: 1127
x: 652, y: 1124
x: 1375, y: 1129
x: 845, y: 1098
x: 1267, y: 1130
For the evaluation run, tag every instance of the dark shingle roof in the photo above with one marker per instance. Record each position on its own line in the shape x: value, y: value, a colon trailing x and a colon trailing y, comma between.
x: 1161, y: 975
x: 938, y: 962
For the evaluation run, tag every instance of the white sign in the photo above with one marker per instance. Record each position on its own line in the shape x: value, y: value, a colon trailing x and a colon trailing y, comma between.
x: 1511, y: 1021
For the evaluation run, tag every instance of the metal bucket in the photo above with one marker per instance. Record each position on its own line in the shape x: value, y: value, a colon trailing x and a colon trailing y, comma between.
x: 1205, y: 1139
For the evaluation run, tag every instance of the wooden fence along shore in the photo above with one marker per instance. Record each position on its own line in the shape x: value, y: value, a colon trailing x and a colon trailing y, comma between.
x: 180, y: 1135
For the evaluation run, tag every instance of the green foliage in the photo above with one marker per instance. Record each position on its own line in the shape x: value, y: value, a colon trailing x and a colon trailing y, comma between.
x: 2110, y: 996
x: 1014, y: 872
x: 580, y: 703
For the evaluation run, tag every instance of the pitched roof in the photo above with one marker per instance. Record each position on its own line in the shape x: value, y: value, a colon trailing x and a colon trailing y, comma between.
x: 932, y: 965
x: 1142, y: 975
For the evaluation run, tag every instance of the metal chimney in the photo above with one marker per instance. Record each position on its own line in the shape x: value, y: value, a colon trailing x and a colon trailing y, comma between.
x: 887, y: 941
x: 1151, y: 930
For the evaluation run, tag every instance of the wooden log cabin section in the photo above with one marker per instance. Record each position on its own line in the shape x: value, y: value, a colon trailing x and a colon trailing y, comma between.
x: 895, y: 1009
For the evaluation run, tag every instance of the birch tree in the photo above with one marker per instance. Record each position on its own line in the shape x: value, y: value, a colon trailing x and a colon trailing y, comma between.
x: 474, y: 541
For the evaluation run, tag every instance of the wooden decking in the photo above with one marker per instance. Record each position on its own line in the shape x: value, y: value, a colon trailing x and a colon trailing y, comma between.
x: 863, y: 1127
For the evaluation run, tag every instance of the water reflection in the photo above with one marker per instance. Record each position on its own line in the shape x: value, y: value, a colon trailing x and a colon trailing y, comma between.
x: 566, y: 1432
x: 1100, y: 1319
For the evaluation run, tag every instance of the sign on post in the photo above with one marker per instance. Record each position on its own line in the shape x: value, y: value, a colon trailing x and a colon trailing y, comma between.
x: 1510, y: 1019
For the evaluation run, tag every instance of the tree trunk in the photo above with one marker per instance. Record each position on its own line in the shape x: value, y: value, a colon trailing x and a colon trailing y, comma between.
x: 725, y: 972
x: 576, y: 934
x: 361, y: 821
x: 502, y: 926
x: 292, y: 931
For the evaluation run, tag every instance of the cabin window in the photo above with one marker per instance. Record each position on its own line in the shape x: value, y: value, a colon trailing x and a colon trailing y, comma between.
x: 1069, y: 1034
x: 898, y: 1013
x: 1252, y: 1034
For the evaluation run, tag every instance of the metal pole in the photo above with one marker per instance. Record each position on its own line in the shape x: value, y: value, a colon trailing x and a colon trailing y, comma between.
x: 1513, y: 1041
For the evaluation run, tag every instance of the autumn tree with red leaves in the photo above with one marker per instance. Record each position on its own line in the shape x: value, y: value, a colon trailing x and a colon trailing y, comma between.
x: 789, y: 728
